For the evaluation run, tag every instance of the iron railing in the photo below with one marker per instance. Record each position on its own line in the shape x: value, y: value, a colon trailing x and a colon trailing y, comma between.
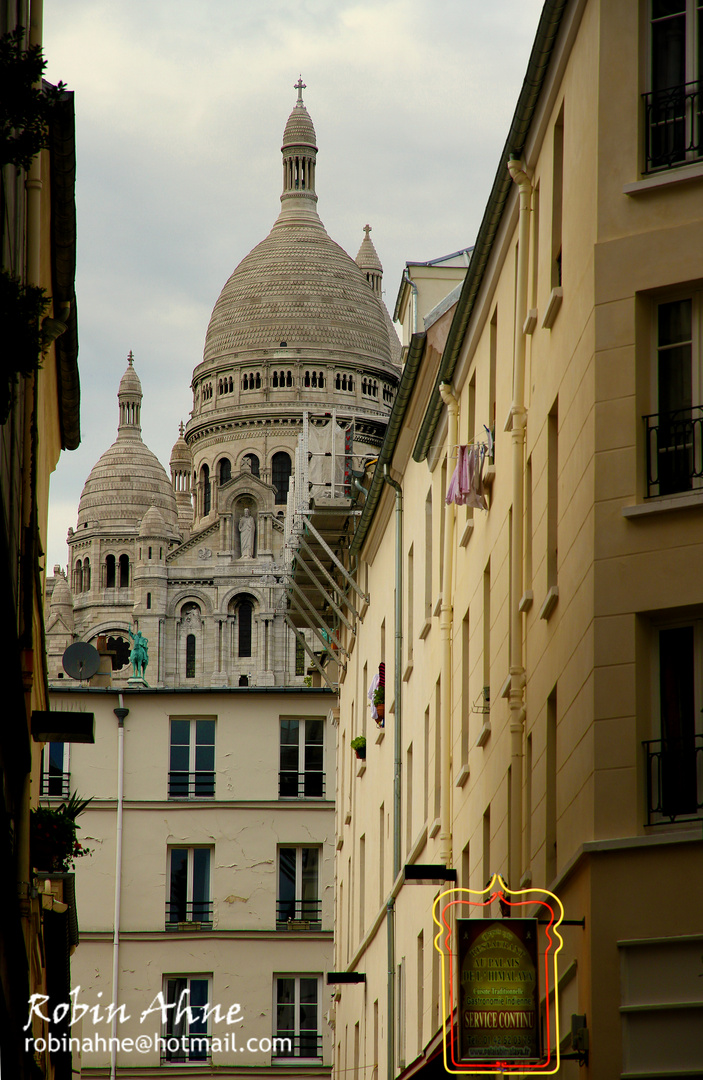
x: 190, y: 911
x: 179, y: 1049
x: 306, y: 1044
x: 299, y: 915
x: 55, y: 785
x: 191, y: 785
x: 674, y: 780
x: 305, y: 785
x: 674, y: 448
x: 673, y: 126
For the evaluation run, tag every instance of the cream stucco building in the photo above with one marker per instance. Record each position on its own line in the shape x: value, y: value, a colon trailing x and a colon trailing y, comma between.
x: 543, y: 710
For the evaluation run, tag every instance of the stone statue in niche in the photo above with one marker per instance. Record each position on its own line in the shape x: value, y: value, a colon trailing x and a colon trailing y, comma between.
x: 190, y: 617
x: 247, y: 529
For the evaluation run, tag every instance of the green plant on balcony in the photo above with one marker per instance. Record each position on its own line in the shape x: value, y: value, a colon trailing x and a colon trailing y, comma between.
x: 358, y: 745
x: 53, y: 844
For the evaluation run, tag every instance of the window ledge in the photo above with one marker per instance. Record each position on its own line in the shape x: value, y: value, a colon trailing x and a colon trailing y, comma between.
x: 435, y: 827
x: 347, y: 817
x: 466, y: 534
x: 484, y: 734
x: 380, y: 736
x: 361, y: 769
x: 425, y: 629
x: 665, y: 179
x: 526, y: 600
x: 552, y: 308
x: 438, y: 607
x: 340, y: 842
x: 408, y: 671
x: 550, y: 602
x: 463, y: 776
x: 660, y: 504
x: 505, y: 688
x: 530, y: 323
x: 489, y: 476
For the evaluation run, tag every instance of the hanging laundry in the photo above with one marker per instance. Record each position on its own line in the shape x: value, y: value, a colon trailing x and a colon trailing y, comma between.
x: 459, y: 485
x: 476, y: 493
x: 375, y: 682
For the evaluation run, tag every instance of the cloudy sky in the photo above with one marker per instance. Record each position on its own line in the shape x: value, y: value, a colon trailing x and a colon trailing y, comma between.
x: 180, y: 109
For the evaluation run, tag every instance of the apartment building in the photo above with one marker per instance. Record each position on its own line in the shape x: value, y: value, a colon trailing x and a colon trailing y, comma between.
x: 540, y: 644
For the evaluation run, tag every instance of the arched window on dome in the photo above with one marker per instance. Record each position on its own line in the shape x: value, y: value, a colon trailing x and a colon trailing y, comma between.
x: 254, y: 463
x: 289, y: 378
x: 258, y: 380
x: 110, y: 572
x: 274, y: 380
x: 77, y: 583
x: 306, y: 381
x: 314, y: 379
x: 231, y: 384
x: 280, y: 475
x: 190, y: 656
x: 86, y: 575
x: 207, y: 497
x: 225, y: 467
x: 245, y: 611
x: 338, y: 382
x: 245, y: 382
x: 124, y: 571
x: 321, y: 380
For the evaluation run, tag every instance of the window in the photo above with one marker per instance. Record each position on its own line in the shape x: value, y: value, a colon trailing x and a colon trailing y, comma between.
x: 186, y: 1034
x: 299, y: 658
x: 244, y: 613
x: 190, y: 656
x: 299, y: 889
x: 253, y: 462
x: 297, y: 1017
x: 110, y: 572
x: 225, y: 467
x: 301, y: 763
x: 55, y: 777
x: 189, y: 886
x: 674, y: 103
x: 675, y: 759
x: 207, y: 496
x: 124, y: 571
x: 674, y: 437
x: 280, y: 475
x: 192, y: 759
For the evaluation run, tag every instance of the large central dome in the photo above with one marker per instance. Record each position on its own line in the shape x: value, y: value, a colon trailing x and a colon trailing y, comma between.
x: 298, y: 286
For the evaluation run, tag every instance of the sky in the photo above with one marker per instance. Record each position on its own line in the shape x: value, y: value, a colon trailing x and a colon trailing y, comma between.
x: 180, y: 109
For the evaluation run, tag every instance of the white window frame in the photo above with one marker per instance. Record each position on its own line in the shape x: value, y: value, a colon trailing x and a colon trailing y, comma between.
x: 298, y: 1058
x: 691, y: 73
x: 300, y: 912
x: 168, y: 1031
x: 192, y: 750
x: 190, y: 881
x: 302, y: 722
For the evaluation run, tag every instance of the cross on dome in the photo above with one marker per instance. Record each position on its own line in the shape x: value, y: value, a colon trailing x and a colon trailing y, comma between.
x: 367, y: 230
x: 130, y: 358
x: 300, y: 86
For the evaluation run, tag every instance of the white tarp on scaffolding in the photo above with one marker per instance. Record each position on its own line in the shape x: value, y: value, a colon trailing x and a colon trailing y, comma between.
x: 329, y: 458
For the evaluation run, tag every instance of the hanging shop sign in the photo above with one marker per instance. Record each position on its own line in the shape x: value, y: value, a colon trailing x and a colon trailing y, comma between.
x: 499, y: 980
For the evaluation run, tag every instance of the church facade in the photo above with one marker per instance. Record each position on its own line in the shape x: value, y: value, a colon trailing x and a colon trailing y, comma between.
x: 196, y: 559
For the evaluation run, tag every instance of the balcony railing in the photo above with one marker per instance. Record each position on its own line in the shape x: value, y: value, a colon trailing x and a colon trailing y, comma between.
x: 306, y: 1044
x: 673, y: 126
x: 674, y: 447
x: 305, y: 785
x: 299, y: 915
x: 674, y: 780
x: 55, y: 785
x: 184, y: 785
x: 179, y: 914
x: 179, y: 1049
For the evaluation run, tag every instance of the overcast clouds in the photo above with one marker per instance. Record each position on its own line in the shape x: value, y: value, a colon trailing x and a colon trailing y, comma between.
x: 180, y: 109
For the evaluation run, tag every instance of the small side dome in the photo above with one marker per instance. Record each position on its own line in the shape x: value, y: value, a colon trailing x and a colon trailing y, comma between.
x: 367, y: 256
x: 130, y: 382
x: 61, y: 597
x: 299, y: 129
x: 153, y: 524
x: 180, y: 454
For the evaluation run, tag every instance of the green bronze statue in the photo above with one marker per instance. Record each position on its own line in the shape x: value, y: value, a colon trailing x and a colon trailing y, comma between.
x: 139, y: 656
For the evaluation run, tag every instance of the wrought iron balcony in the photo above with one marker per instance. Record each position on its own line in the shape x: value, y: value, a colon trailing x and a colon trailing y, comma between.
x: 179, y: 914
x: 286, y: 1044
x: 674, y: 780
x: 305, y: 785
x: 299, y: 915
x: 55, y: 785
x: 197, y: 785
x: 673, y: 126
x: 674, y: 447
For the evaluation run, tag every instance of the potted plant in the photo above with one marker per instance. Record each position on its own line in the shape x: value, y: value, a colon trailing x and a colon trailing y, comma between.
x: 379, y: 700
x: 52, y: 836
x: 358, y: 745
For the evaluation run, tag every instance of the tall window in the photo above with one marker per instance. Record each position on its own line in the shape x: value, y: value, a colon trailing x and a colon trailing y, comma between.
x: 299, y: 658
x: 299, y: 887
x: 189, y: 886
x: 186, y: 1030
x: 55, y: 777
x: 280, y: 475
x: 225, y: 469
x: 110, y: 572
x: 192, y: 759
x: 207, y: 494
x: 124, y: 571
x: 297, y: 1017
x: 674, y: 437
x: 674, y: 103
x: 253, y: 462
x: 244, y: 618
x: 190, y: 656
x: 301, y: 759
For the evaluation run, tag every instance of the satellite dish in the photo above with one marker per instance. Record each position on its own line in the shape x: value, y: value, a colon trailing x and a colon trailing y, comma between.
x: 81, y: 660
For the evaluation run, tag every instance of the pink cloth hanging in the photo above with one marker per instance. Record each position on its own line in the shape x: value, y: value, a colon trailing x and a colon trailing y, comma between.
x: 459, y: 485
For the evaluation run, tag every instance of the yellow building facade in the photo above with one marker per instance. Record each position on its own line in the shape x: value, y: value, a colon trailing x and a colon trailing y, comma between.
x: 542, y: 656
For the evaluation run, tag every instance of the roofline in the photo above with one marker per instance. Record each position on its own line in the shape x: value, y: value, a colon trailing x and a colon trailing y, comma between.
x: 395, y: 422
x: 542, y: 49
x: 147, y: 690
x: 442, y: 258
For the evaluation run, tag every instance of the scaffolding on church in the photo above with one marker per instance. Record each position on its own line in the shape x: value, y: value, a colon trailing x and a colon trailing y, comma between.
x: 320, y: 589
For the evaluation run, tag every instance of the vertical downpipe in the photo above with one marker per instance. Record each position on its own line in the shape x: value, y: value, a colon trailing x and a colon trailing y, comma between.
x: 120, y: 713
x: 445, y: 626
x: 519, y: 419
x: 397, y: 760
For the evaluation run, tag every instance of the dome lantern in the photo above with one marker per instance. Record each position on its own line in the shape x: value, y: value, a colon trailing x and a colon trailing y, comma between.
x: 129, y: 397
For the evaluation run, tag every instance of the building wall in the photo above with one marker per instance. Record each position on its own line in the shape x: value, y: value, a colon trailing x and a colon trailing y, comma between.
x: 624, y: 565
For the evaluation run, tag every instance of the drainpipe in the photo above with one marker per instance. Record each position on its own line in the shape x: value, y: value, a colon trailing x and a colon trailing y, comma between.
x: 518, y: 414
x: 445, y: 628
x: 413, y: 286
x: 390, y: 1033
x: 120, y: 713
